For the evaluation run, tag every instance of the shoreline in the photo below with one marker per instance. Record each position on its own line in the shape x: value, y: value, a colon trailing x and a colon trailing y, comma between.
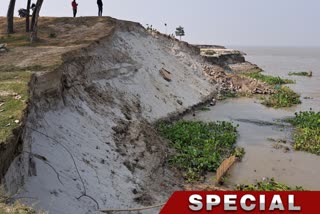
x: 101, y: 103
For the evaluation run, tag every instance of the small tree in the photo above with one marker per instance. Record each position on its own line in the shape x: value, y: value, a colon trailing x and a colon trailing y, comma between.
x: 180, y: 32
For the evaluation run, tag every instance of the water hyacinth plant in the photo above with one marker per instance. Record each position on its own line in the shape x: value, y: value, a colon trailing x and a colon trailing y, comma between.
x: 307, y: 134
x: 200, y: 147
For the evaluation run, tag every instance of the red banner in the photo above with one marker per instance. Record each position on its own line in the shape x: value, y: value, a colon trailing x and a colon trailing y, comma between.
x: 306, y: 202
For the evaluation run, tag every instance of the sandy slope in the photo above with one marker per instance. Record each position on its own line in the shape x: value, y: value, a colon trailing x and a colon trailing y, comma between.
x: 88, y: 140
x: 98, y: 106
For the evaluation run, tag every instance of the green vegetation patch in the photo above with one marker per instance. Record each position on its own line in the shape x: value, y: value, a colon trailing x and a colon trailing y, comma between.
x: 307, y: 135
x: 52, y: 35
x: 15, y: 40
x: 268, y: 185
x: 271, y: 80
x: 303, y: 73
x: 283, y: 97
x: 204, y: 108
x: 227, y: 94
x: 199, y: 147
x: 13, y: 97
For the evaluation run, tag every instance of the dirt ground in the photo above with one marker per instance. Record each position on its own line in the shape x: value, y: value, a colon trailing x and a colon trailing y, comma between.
x: 57, y: 37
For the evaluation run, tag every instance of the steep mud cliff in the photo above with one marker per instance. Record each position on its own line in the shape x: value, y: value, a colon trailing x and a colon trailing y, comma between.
x: 88, y: 139
x: 88, y: 142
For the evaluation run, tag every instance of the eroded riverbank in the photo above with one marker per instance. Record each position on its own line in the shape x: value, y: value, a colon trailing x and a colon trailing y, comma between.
x: 258, y: 124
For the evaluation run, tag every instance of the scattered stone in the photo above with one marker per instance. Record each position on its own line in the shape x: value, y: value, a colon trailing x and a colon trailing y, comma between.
x: 134, y: 191
x: 279, y: 145
x: 282, y: 141
x: 165, y: 74
x: 17, y: 121
x: 3, y: 48
x: 271, y: 139
x: 213, y: 102
x: 180, y: 102
x: 286, y: 149
x: 278, y: 141
x: 308, y: 98
x: 17, y: 97
x: 234, y: 83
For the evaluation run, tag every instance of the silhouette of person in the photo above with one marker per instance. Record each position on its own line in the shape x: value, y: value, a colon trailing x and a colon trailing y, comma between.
x: 100, y: 7
x: 74, y: 5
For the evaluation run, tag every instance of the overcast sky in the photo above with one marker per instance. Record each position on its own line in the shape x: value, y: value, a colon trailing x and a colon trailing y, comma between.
x: 225, y: 22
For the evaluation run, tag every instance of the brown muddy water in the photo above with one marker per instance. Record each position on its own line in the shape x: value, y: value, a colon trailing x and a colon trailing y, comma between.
x: 258, y: 123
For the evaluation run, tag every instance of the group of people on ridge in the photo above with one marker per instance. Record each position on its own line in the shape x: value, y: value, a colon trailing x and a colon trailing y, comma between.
x: 74, y: 5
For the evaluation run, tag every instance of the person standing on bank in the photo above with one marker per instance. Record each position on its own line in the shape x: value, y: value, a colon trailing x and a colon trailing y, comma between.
x: 100, y: 6
x: 74, y: 5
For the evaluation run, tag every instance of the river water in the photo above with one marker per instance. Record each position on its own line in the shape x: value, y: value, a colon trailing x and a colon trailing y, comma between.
x: 257, y: 122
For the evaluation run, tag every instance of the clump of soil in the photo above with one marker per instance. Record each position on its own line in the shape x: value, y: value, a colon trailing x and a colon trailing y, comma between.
x: 244, y: 67
x: 236, y: 83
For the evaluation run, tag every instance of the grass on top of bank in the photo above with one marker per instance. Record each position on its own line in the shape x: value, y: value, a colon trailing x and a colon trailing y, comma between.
x: 268, y: 185
x: 283, y: 96
x: 200, y: 147
x: 307, y: 134
x: 271, y: 80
